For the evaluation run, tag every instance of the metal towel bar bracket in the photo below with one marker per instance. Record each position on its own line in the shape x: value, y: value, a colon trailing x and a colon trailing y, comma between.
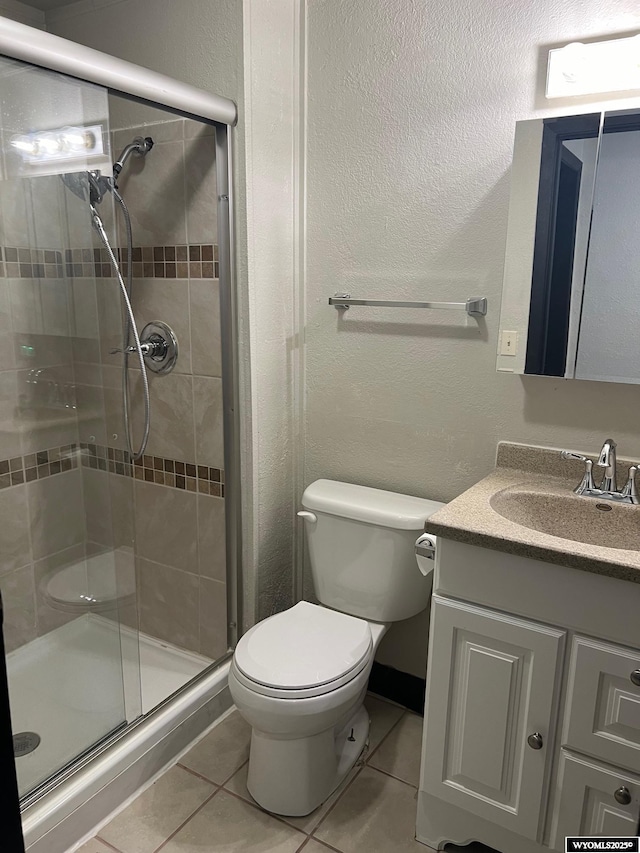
x: 475, y: 307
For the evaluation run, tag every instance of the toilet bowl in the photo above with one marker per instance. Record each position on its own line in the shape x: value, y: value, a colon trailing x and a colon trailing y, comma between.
x: 308, y: 722
x: 299, y: 678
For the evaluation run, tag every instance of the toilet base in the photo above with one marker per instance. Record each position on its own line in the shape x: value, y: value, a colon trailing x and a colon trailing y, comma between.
x: 294, y: 776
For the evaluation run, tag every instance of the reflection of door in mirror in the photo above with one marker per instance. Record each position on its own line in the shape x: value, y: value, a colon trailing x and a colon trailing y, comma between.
x: 551, y: 300
x: 552, y: 181
x: 609, y: 342
x: 567, y: 162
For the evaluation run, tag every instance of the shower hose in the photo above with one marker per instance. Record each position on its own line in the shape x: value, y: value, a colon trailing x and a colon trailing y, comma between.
x: 130, y: 329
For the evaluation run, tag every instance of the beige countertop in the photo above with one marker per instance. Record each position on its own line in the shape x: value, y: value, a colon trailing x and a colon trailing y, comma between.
x: 471, y: 518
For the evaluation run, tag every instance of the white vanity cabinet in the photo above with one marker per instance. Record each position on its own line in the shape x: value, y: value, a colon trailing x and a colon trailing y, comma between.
x: 532, y: 718
x: 492, y: 687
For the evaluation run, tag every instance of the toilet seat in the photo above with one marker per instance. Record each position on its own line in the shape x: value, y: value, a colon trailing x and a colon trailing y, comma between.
x: 304, y: 651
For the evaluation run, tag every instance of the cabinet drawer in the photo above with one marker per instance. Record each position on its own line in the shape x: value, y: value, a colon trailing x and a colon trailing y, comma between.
x: 586, y: 801
x: 603, y: 708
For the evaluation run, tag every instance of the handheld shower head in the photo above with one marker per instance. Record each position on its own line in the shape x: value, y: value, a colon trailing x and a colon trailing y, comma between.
x: 78, y: 183
x: 87, y: 186
x: 140, y: 146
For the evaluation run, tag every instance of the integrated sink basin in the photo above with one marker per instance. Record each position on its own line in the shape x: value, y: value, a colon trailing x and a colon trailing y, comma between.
x: 567, y: 516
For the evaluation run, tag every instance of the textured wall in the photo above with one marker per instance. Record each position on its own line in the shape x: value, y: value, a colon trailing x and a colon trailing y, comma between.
x: 271, y: 62
x: 17, y: 11
x: 411, y: 115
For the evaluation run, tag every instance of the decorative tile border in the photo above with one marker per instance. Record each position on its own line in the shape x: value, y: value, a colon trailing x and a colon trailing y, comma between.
x: 155, y: 469
x: 37, y: 466
x: 152, y: 469
x: 198, y: 260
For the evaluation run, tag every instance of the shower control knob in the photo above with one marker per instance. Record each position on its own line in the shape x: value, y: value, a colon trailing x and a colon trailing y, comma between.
x: 535, y: 741
x: 159, y: 347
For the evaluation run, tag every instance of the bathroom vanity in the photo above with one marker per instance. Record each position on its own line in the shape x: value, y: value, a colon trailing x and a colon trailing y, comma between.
x: 532, y: 720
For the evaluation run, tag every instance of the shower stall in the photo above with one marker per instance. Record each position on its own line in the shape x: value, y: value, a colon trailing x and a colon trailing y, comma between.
x: 119, y: 478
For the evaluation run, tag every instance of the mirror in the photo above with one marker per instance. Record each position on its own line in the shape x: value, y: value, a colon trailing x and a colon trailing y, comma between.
x: 572, y: 266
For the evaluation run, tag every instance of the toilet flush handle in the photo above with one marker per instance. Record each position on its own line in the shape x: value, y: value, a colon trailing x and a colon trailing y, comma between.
x: 308, y: 516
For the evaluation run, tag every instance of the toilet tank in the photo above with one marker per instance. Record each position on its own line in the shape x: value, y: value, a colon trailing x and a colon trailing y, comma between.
x: 362, y: 549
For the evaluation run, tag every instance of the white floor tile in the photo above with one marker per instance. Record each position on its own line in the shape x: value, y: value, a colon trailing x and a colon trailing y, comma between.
x: 226, y: 824
x: 220, y: 753
x: 158, y: 812
x: 376, y: 814
x: 399, y: 754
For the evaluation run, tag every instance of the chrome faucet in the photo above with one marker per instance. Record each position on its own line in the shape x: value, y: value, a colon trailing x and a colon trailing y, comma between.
x: 607, y: 460
x: 608, y: 489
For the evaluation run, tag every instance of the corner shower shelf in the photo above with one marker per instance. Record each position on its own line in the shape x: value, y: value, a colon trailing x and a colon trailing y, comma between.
x: 476, y: 306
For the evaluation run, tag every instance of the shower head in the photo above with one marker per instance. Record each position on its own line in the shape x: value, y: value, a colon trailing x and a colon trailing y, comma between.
x: 140, y: 146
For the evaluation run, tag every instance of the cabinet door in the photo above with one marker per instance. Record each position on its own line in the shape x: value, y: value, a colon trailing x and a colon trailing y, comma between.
x: 491, y: 684
x: 603, y: 708
x: 587, y: 803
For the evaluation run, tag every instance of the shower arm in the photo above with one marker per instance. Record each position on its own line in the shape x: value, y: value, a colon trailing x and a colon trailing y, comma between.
x: 140, y: 146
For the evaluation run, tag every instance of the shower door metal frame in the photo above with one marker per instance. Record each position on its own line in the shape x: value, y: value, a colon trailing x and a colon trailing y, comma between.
x: 52, y: 53
x: 230, y: 382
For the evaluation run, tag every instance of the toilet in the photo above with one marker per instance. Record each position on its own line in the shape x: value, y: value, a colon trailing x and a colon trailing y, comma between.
x: 299, y: 678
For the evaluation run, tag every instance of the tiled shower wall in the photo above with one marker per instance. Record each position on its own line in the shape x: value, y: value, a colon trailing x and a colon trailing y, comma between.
x: 41, y: 498
x: 60, y: 382
x: 178, y: 489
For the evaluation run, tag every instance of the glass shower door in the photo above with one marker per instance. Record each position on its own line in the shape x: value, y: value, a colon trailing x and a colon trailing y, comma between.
x: 66, y: 536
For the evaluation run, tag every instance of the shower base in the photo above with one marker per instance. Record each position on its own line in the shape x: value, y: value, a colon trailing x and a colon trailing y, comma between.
x: 79, y: 683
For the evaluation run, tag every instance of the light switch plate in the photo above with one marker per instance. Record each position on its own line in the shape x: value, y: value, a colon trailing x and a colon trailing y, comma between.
x: 508, y: 343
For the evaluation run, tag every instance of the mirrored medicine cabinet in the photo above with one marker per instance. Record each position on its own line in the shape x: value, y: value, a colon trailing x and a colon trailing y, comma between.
x: 571, y: 296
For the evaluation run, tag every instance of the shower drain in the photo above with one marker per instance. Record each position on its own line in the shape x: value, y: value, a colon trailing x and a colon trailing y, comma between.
x: 24, y: 743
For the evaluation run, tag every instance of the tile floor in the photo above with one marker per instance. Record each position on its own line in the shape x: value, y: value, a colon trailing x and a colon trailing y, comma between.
x: 201, y: 804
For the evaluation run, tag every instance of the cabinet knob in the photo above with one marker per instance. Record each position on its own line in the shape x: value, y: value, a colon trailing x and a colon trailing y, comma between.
x: 622, y: 796
x: 535, y: 741
x: 635, y: 677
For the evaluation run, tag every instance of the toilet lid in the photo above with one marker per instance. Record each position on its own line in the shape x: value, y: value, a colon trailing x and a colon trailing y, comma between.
x: 303, y: 647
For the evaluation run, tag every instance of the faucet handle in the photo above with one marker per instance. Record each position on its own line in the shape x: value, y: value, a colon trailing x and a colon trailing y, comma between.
x: 568, y: 454
x: 586, y: 484
x: 629, y: 491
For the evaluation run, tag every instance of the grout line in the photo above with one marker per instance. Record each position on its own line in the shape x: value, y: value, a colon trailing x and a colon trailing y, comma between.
x: 197, y: 775
x: 391, y: 776
x: 184, y: 823
x: 377, y: 747
x: 106, y: 844
x: 259, y: 808
x: 229, y: 778
x: 326, y: 844
x: 237, y: 770
x: 333, y: 805
x: 283, y: 818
